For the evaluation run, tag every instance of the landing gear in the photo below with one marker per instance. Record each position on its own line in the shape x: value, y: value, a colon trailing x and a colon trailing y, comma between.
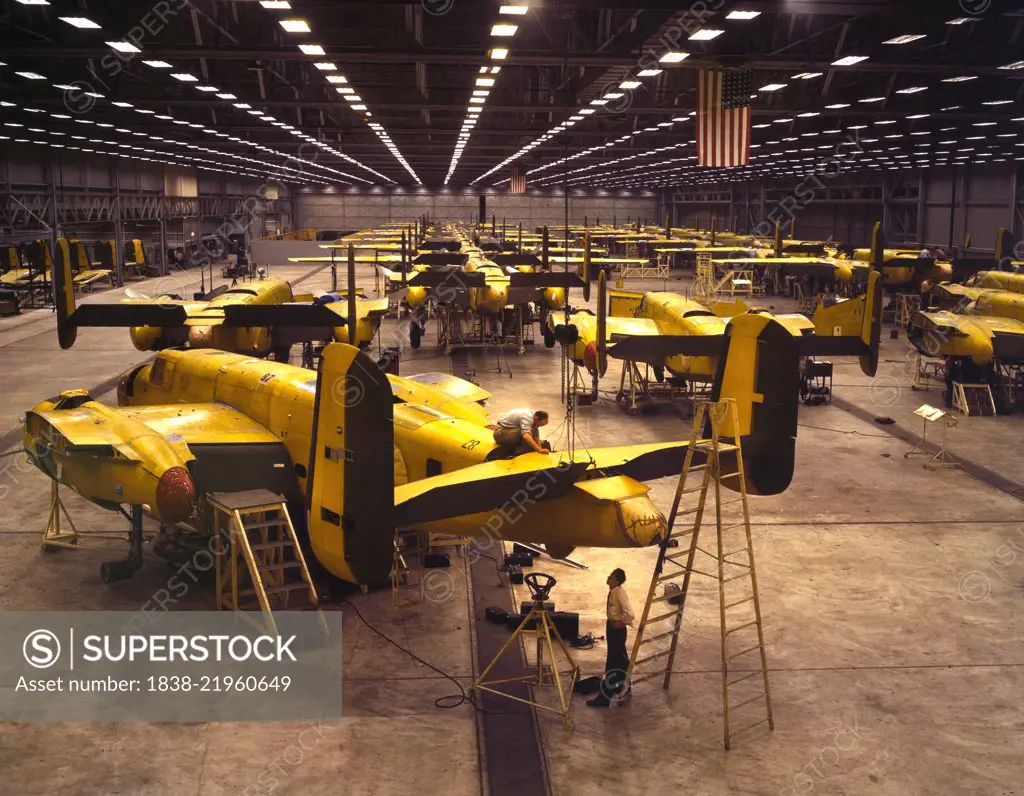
x: 549, y: 338
x: 415, y: 335
x: 659, y: 373
x: 125, y: 568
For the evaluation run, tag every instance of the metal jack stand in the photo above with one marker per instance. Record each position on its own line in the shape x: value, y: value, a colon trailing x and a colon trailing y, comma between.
x: 537, y: 622
x: 55, y: 539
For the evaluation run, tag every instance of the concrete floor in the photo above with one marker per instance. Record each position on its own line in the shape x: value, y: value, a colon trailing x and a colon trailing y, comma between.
x: 892, y: 600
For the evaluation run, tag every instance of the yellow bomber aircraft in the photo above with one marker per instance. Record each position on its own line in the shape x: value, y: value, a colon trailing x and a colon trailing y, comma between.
x: 982, y: 323
x: 256, y: 318
x: 359, y: 453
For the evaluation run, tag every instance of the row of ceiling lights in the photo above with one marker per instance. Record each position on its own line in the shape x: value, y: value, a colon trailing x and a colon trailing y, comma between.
x: 630, y: 83
x: 130, y: 48
x: 243, y: 164
x: 852, y: 60
x: 502, y: 32
x: 339, y: 82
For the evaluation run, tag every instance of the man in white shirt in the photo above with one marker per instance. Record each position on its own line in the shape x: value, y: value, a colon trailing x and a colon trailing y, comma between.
x: 520, y: 429
x: 620, y: 614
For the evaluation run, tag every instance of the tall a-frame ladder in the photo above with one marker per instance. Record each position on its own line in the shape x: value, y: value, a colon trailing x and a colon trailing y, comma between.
x: 744, y: 673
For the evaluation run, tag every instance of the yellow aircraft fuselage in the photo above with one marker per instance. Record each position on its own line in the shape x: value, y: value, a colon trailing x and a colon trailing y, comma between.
x: 903, y: 267
x: 434, y: 434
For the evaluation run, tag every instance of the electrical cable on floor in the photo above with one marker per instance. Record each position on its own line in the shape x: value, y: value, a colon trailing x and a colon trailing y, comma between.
x: 443, y: 702
x: 840, y: 431
x: 462, y: 696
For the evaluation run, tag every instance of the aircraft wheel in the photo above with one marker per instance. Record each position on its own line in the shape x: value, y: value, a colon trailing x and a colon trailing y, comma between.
x: 549, y: 338
x: 114, y: 571
x: 659, y: 373
x: 415, y: 335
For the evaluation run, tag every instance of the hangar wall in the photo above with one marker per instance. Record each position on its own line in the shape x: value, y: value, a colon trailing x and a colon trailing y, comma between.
x: 938, y: 207
x: 48, y: 193
x: 347, y: 209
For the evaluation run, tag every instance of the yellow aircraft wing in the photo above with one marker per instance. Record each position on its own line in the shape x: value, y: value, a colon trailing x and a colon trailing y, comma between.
x: 202, y: 424
x: 193, y: 424
x: 452, y: 386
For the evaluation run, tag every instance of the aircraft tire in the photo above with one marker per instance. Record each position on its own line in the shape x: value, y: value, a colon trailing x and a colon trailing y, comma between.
x: 549, y: 338
x: 415, y: 335
x: 659, y: 373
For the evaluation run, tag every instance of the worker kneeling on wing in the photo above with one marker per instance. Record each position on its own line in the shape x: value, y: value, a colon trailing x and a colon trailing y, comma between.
x: 520, y: 430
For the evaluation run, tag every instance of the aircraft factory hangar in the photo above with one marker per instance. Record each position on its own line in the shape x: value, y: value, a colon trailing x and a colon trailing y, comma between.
x: 511, y: 397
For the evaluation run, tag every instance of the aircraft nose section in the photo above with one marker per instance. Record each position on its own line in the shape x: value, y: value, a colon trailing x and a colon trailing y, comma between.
x: 201, y: 337
x: 175, y: 494
x: 641, y: 520
x: 590, y: 358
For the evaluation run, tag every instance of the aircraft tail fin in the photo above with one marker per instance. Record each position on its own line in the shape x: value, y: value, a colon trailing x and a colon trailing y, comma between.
x: 759, y: 369
x: 856, y: 318
x: 351, y: 468
x: 64, y: 300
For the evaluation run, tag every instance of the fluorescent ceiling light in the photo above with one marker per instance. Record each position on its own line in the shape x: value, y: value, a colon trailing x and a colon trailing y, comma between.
x: 504, y: 30
x: 207, y: 89
x: 649, y: 72
x: 905, y: 39
x: 836, y: 106
x: 157, y: 64
x: 673, y: 57
x: 359, y: 107
x: 123, y: 104
x: 485, y: 81
x: 276, y: 4
x: 850, y: 60
x: 80, y: 22
x: 499, y: 53
x: 34, y: 2
x: 962, y: 20
x: 965, y: 78
x: 1014, y: 65
x: 477, y: 100
x: 913, y: 90
x: 772, y: 87
x: 312, y: 49
x: 226, y: 96
x: 354, y: 98
x: 706, y: 35
x: 630, y: 84
x: 184, y: 77
x: 326, y: 66
x: 807, y: 75
x: 346, y: 90
x: 337, y: 79
x: 123, y: 46
x: 614, y: 95
x: 998, y: 102
x: 295, y: 26
x: 513, y: 10
x: 30, y: 75
x: 243, y: 105
x: 743, y: 14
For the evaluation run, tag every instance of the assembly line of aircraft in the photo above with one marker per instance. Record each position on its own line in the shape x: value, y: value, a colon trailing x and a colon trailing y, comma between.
x: 358, y: 453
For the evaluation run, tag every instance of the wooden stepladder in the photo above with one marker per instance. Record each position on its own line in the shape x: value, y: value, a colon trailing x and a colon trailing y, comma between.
x: 744, y: 674
x: 260, y: 566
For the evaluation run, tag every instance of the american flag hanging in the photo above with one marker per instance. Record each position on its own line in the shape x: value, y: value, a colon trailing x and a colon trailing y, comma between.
x: 723, y: 118
x: 517, y: 183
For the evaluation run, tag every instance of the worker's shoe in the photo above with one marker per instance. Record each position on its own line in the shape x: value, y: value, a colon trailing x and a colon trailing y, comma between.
x: 600, y: 701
